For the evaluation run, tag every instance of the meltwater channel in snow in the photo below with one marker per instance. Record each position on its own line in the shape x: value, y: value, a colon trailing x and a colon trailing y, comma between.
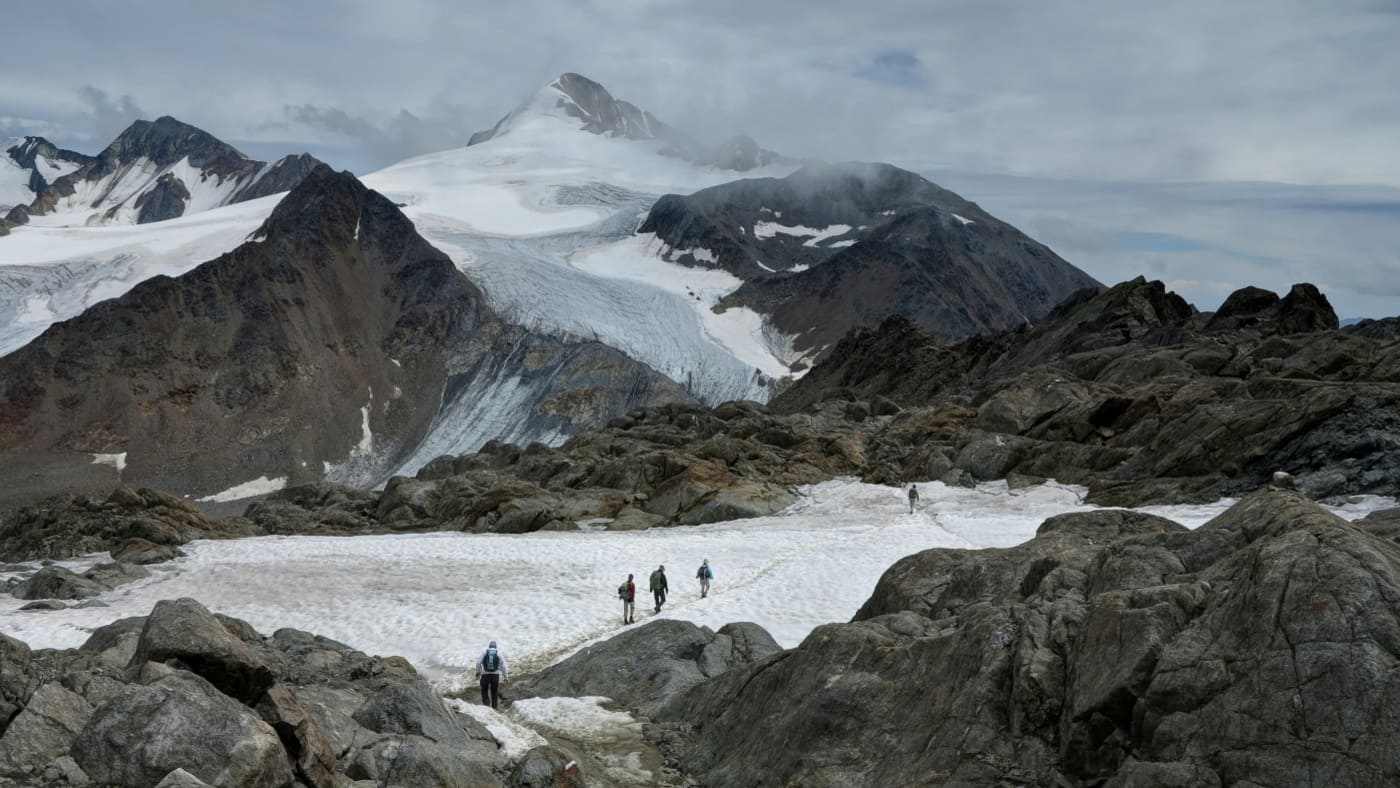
x: 438, y: 598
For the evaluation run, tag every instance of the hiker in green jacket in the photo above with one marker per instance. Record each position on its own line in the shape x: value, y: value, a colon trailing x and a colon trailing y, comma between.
x: 658, y: 586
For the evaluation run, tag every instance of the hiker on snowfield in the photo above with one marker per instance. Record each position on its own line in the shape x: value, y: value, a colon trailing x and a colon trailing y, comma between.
x: 491, y: 670
x: 705, y: 576
x: 913, y: 497
x: 658, y: 586
x: 627, y: 592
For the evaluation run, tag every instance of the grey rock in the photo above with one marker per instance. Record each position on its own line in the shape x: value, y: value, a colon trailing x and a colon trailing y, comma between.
x: 411, y: 761
x: 306, y: 744
x: 116, y: 574
x: 55, y: 582
x: 645, y: 667
x: 179, y: 778
x: 44, y: 605
x: 180, y: 721
x: 547, y: 767
x: 184, y: 630
x: 66, y: 771
x: 43, y: 731
x: 141, y: 551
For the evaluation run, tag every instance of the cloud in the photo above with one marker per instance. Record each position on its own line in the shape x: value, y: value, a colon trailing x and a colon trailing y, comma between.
x: 898, y: 67
x: 109, y: 116
x: 399, y: 136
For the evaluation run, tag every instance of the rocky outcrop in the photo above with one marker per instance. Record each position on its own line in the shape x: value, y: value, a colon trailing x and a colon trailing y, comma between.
x: 1115, y: 648
x: 135, y: 525
x: 185, y: 697
x: 598, y: 112
x: 1104, y: 390
x: 832, y: 247
x: 645, y: 668
x: 333, y: 343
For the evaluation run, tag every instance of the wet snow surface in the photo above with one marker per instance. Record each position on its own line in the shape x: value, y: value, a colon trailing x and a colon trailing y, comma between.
x: 438, y: 598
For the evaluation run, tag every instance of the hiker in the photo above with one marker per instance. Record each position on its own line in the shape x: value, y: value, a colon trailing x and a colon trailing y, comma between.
x: 913, y: 497
x: 705, y: 576
x: 627, y: 592
x: 492, y: 670
x: 658, y: 586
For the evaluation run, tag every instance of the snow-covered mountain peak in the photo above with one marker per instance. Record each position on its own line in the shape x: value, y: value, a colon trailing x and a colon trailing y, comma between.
x: 573, y: 102
x: 152, y: 171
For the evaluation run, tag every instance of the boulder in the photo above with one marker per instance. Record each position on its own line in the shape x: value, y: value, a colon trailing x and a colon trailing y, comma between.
x: 16, y: 683
x: 643, y: 668
x: 185, y: 631
x: 179, y: 778
x: 118, y: 573
x: 410, y: 761
x: 180, y: 721
x: 55, y: 582
x: 142, y: 551
x: 43, y: 731
x: 547, y: 767
x: 306, y: 745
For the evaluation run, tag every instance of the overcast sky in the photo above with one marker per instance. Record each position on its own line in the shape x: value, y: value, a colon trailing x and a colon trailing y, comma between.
x: 1292, y: 91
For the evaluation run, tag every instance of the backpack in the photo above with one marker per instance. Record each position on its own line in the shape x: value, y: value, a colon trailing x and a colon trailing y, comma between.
x: 491, y: 661
x: 708, y: 574
x: 622, y: 591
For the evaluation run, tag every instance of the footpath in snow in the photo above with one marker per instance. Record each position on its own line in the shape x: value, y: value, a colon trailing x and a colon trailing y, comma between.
x: 436, y: 599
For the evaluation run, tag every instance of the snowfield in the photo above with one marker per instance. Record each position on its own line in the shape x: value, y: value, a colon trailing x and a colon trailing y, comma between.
x: 49, y: 274
x: 438, y: 598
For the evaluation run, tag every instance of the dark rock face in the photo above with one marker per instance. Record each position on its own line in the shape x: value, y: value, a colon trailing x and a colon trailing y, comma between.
x: 133, y: 524
x: 1114, y: 648
x: 330, y: 340
x: 159, y: 144
x: 591, y: 103
x: 832, y: 247
x: 646, y: 667
x: 221, y: 705
x: 1107, y: 388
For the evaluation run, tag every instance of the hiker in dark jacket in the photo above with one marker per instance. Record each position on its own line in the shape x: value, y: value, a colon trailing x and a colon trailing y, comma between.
x: 627, y: 592
x: 658, y: 586
x: 913, y: 497
x: 704, y: 575
x: 492, y: 670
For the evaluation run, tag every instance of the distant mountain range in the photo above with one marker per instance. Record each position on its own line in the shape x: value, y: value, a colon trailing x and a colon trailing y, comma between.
x: 577, y: 260
x: 153, y: 171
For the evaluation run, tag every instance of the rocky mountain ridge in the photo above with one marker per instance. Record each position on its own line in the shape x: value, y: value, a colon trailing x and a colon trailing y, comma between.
x: 157, y: 170
x: 832, y: 247
x: 332, y: 344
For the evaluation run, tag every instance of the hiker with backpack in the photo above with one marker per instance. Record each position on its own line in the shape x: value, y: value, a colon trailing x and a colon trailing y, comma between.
x: 913, y: 497
x: 705, y: 576
x: 491, y: 669
x: 627, y: 592
x: 658, y: 586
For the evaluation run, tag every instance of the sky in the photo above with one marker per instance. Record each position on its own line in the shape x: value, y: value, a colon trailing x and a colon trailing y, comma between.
x: 1113, y: 100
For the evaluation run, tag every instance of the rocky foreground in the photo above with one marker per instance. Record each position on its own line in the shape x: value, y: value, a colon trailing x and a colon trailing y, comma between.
x: 1114, y: 649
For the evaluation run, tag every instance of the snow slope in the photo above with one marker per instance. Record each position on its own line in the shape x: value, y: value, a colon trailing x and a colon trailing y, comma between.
x: 542, y: 215
x: 438, y: 598
x: 48, y: 274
